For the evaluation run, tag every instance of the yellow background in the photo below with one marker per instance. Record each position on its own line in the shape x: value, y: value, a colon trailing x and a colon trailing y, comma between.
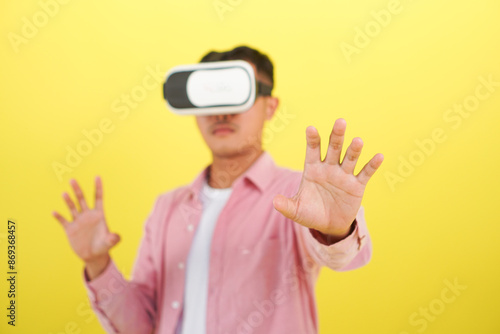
x: 441, y: 224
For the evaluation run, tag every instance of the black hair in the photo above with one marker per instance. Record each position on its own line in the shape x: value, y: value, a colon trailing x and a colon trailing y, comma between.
x: 260, y: 60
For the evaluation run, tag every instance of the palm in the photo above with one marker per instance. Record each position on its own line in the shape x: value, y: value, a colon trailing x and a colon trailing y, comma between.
x: 88, y: 234
x: 326, y: 196
x: 329, y: 195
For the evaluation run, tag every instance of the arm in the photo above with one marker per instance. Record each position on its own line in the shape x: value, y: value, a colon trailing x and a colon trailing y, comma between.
x: 125, y: 306
x: 352, y: 252
x: 121, y: 306
x: 328, y: 202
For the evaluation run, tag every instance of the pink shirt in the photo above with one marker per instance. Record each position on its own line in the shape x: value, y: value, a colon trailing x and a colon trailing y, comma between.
x: 263, y: 266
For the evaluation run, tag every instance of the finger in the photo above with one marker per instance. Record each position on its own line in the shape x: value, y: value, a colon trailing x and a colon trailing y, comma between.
x: 60, y: 218
x: 370, y: 168
x: 112, y: 239
x: 336, y: 142
x: 79, y: 195
x: 351, y: 155
x: 71, y: 205
x: 313, y: 150
x: 98, y: 193
x: 285, y: 206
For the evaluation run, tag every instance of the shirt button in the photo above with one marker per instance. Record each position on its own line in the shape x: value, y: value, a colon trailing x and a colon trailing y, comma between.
x: 181, y: 265
x: 175, y: 305
x: 190, y: 227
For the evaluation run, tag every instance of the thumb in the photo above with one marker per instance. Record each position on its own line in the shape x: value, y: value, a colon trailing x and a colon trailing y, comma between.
x: 112, y: 239
x: 285, y: 206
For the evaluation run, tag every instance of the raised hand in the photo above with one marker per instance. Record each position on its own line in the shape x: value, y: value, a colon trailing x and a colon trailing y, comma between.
x: 88, y: 233
x: 329, y: 194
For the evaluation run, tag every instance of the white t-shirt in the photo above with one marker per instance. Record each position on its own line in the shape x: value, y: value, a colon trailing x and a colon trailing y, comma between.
x: 197, y: 267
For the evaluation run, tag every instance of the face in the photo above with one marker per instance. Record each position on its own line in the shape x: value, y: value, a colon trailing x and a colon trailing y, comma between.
x: 234, y: 135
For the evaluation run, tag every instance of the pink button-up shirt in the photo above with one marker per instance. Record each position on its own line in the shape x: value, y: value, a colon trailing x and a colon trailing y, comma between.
x: 263, y: 266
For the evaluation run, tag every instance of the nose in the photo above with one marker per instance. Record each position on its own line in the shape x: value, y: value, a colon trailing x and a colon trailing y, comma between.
x: 223, y: 118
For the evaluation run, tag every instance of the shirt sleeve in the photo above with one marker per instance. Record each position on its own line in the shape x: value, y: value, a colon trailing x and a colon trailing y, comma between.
x: 124, y: 306
x: 352, y: 252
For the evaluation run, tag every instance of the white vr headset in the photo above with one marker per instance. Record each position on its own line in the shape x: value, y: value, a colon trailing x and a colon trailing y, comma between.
x: 213, y: 88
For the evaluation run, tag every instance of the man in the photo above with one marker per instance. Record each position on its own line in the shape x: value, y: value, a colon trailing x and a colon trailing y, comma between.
x: 240, y: 248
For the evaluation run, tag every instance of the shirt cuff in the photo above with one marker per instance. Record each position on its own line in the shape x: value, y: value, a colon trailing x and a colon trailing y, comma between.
x: 326, y: 239
x: 109, y: 283
x: 346, y: 253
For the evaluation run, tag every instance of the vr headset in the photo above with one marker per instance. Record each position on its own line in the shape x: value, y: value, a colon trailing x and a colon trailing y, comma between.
x: 213, y: 88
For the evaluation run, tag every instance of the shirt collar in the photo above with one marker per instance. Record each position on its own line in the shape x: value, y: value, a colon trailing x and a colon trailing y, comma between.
x: 260, y: 173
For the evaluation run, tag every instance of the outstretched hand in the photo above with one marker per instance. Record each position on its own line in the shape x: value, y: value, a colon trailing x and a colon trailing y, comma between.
x: 88, y: 233
x: 329, y: 194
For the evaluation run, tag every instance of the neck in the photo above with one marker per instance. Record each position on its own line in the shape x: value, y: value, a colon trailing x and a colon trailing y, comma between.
x: 225, y: 170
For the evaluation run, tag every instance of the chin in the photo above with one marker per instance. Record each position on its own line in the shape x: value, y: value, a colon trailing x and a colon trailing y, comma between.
x: 233, y: 151
x: 223, y: 150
